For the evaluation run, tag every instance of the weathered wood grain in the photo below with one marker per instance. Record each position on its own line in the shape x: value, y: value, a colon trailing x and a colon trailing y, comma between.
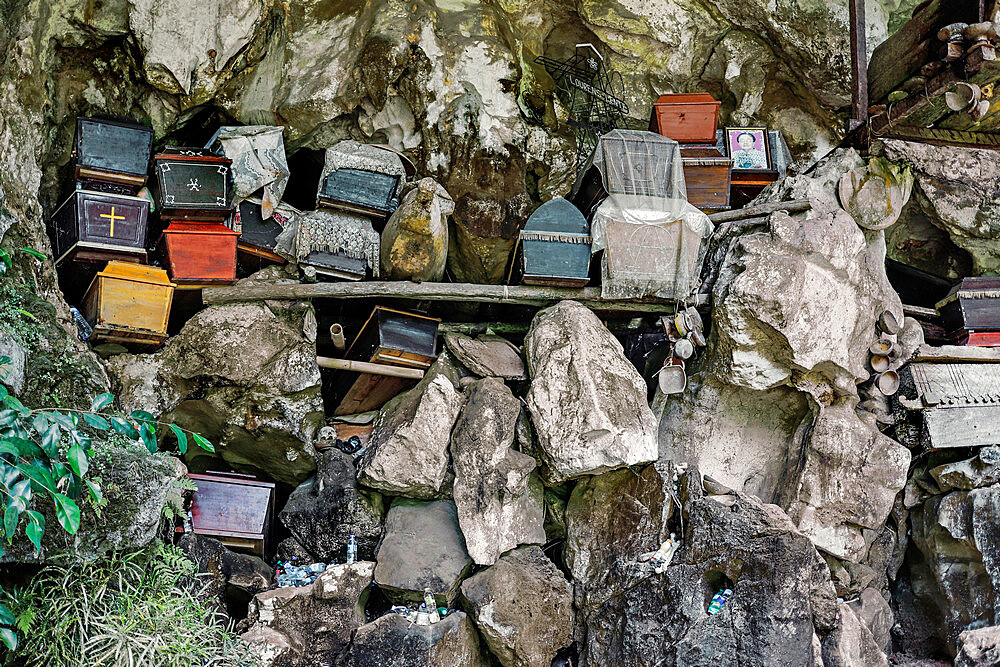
x: 969, y: 426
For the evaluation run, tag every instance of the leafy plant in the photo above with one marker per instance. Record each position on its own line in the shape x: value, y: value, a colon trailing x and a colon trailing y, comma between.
x: 131, y: 608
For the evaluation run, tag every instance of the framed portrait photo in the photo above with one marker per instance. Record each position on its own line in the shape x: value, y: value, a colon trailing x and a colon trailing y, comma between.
x: 748, y: 147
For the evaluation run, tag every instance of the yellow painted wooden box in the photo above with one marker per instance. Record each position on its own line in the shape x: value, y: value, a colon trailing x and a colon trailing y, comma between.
x: 129, y: 304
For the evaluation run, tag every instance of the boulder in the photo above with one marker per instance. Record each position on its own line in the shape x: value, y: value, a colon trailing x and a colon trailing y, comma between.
x: 223, y: 573
x: 523, y: 608
x: 979, y: 647
x: 851, y: 644
x: 980, y: 471
x: 498, y: 496
x: 422, y: 547
x: 873, y: 610
x: 407, y: 454
x: 309, y: 625
x: 13, y: 370
x: 587, y: 401
x: 242, y: 375
x: 323, y: 512
x: 782, y: 594
x: 393, y: 641
x: 487, y: 355
x: 415, y: 239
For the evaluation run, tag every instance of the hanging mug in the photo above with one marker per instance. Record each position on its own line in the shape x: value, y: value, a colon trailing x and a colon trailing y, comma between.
x: 672, y: 377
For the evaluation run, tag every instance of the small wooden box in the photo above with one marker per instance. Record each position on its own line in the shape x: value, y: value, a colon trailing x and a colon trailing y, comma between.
x: 368, y: 193
x: 555, y: 246
x: 707, y: 180
x: 97, y: 226
x: 129, y: 303
x: 392, y: 337
x: 971, y: 305
x: 686, y: 118
x: 200, y: 253
x: 193, y: 184
x: 235, y: 509
x: 112, y: 151
x: 258, y: 237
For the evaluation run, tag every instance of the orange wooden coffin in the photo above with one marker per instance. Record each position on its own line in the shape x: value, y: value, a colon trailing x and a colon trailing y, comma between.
x: 129, y: 303
x: 235, y: 509
x: 200, y: 253
x: 686, y: 118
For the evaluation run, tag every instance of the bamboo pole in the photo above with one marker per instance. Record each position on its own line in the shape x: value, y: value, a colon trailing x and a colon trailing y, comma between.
x: 370, y: 368
x: 793, y: 206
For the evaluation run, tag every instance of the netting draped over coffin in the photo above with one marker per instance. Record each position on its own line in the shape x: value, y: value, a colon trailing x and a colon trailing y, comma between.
x: 258, y: 155
x: 651, y: 235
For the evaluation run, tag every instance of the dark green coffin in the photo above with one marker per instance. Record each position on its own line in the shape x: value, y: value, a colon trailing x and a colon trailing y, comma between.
x: 358, y: 191
x: 555, y: 246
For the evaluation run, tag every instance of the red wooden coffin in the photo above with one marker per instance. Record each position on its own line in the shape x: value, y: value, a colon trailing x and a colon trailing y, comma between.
x: 686, y: 118
x: 979, y: 338
x: 200, y: 253
x: 235, y: 509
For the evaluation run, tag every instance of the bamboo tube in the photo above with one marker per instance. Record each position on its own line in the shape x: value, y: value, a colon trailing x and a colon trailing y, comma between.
x: 337, y: 336
x: 370, y: 368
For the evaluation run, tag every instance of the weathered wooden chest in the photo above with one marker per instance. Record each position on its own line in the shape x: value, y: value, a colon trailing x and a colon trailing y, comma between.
x: 258, y: 237
x: 392, y: 337
x: 357, y: 191
x: 193, y: 184
x: 97, y: 226
x: 555, y: 246
x: 129, y: 304
x: 958, y: 402
x: 707, y: 180
x: 235, y: 509
x: 686, y: 118
x: 200, y: 253
x: 112, y: 151
x: 971, y: 305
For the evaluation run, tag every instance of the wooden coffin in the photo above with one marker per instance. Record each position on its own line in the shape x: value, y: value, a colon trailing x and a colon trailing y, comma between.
x: 746, y: 184
x: 971, y: 305
x: 111, y: 151
x: 392, y: 337
x: 367, y: 193
x: 200, y: 253
x: 707, y: 180
x: 97, y: 226
x: 686, y: 118
x: 664, y: 255
x: 258, y: 237
x: 336, y: 265
x: 979, y: 338
x: 555, y: 246
x: 958, y: 402
x: 193, y: 184
x: 129, y: 303
x: 235, y: 509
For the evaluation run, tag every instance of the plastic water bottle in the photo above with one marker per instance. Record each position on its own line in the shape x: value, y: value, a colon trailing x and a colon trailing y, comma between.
x: 719, y: 601
x: 83, y: 328
x: 352, y: 550
x: 432, y: 611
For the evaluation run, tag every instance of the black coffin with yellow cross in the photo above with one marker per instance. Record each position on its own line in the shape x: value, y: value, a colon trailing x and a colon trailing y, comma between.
x: 97, y: 226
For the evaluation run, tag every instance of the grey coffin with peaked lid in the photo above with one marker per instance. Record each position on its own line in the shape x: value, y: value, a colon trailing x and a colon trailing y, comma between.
x: 960, y: 403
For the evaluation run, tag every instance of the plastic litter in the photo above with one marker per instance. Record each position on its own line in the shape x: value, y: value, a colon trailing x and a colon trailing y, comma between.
x: 352, y: 550
x: 83, y: 328
x: 430, y: 606
x: 661, y: 558
x: 292, y: 576
x: 719, y: 600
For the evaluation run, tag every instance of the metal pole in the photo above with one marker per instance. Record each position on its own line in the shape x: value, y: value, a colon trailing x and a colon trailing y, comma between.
x: 859, y: 65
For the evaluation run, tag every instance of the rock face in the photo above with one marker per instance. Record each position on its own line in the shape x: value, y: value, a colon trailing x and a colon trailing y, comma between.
x: 244, y: 376
x: 423, y: 547
x: 587, y: 401
x: 979, y: 647
x: 851, y: 643
x: 219, y: 568
x: 523, y: 607
x: 408, y: 451
x: 322, y: 513
x: 392, y: 641
x: 498, y: 497
x: 309, y: 624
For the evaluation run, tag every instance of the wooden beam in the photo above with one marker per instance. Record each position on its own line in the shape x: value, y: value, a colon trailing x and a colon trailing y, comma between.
x: 522, y: 295
x: 859, y: 65
x: 793, y: 206
x: 948, y: 354
x: 370, y: 368
x: 919, y: 311
x: 940, y: 136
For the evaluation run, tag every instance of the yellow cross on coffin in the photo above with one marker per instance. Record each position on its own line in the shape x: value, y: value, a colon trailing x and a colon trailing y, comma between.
x: 112, y: 218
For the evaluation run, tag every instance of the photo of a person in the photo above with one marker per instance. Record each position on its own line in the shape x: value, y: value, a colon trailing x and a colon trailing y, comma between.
x: 748, y: 147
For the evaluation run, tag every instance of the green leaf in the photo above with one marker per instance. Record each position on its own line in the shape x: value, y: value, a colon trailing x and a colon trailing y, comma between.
x: 16, y: 405
x: 34, y: 531
x: 63, y: 419
x: 97, y: 421
x: 38, y: 474
x: 4, y: 360
x: 6, y: 260
x: 95, y: 491
x: 182, y: 439
x: 898, y: 95
x: 10, y: 517
x: 34, y: 253
x: 7, y: 417
x: 6, y: 615
x: 141, y: 416
x: 203, y: 443
x: 20, y: 447
x: 102, y: 401
x: 50, y: 441
x: 9, y: 638
x: 149, y: 437
x: 124, y: 427
x: 20, y: 494
x: 67, y: 513
x: 77, y: 457
x: 3, y: 390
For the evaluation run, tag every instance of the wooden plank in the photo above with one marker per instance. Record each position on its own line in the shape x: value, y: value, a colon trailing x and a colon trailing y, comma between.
x: 967, y: 426
x: 918, y: 311
x: 939, y: 137
x: 793, y: 206
x: 506, y: 294
x: 368, y: 367
x: 859, y: 64
x: 957, y: 354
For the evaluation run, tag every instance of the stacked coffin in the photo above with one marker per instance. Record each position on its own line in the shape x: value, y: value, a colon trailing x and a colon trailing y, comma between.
x: 104, y: 225
x: 970, y: 312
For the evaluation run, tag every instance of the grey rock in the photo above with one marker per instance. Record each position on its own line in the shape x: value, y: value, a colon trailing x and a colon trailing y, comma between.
x: 873, y: 610
x: 851, y: 644
x: 312, y: 624
x: 979, y: 647
x: 980, y: 471
x: 392, y: 641
x: 487, y: 355
x: 498, y: 496
x: 422, y: 547
x: 245, y: 377
x: 323, y: 512
x: 12, y: 372
x: 587, y: 401
x: 523, y: 608
x: 219, y: 568
x: 408, y: 450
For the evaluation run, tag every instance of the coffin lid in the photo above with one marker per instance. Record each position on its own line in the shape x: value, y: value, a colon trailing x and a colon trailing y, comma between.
x: 191, y: 155
x: 957, y: 385
x: 686, y: 98
x: 139, y: 273
x: 185, y: 227
x: 973, y: 288
x: 557, y: 215
x: 82, y: 124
